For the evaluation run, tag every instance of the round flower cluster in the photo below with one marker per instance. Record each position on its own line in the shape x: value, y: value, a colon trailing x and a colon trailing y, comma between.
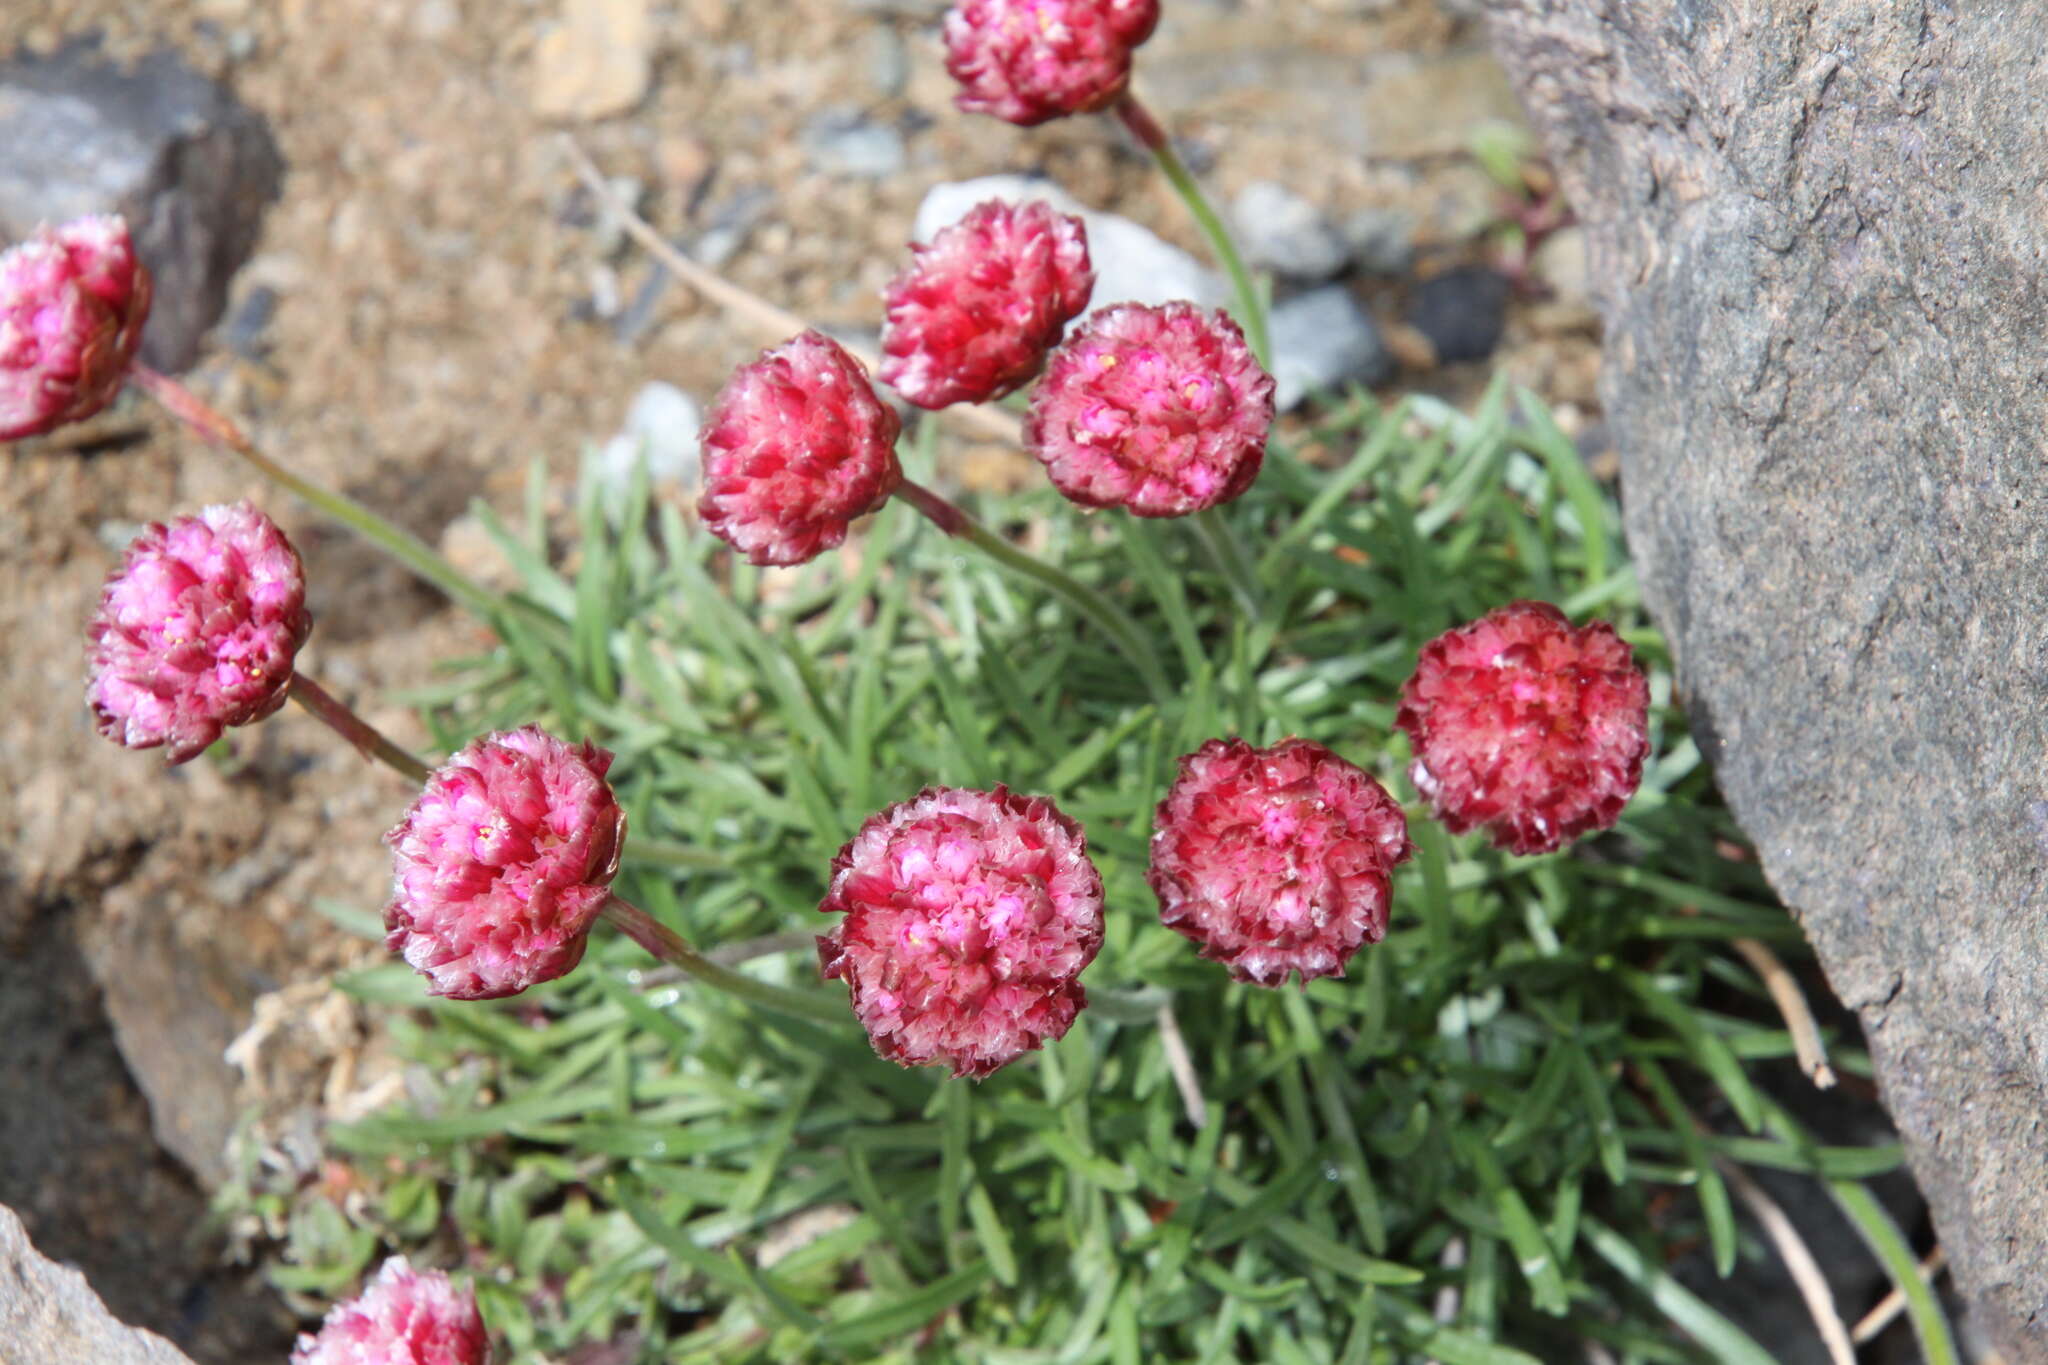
x: 1276, y: 860
x: 795, y: 447
x: 1159, y: 410
x: 1526, y: 726
x: 72, y: 305
x: 968, y: 918
x: 502, y: 863
x: 402, y: 1317
x: 972, y: 316
x: 1029, y: 61
x: 196, y: 631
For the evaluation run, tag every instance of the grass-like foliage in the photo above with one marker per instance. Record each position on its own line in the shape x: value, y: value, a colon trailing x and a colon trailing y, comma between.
x: 1464, y: 1150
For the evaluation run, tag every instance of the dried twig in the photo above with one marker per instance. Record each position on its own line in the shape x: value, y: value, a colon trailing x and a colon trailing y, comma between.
x: 1791, y: 1002
x: 765, y: 317
x: 1798, y: 1259
x: 1894, y: 1303
x: 1183, y: 1067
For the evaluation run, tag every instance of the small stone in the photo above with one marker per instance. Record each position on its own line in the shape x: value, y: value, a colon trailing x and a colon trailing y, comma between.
x: 1285, y: 233
x: 1463, y: 312
x: 888, y: 62
x: 1325, y: 339
x: 1382, y: 241
x: 468, y: 545
x: 1132, y: 263
x: 596, y: 62
x: 49, y: 1313
x: 661, y: 431
x: 1561, y: 264
x: 244, y: 331
x: 840, y: 142
x: 433, y: 19
x: 191, y: 169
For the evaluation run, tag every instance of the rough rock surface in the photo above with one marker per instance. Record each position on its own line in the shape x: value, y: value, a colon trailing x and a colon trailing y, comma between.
x: 48, y: 1313
x: 1819, y: 232
x: 190, y: 168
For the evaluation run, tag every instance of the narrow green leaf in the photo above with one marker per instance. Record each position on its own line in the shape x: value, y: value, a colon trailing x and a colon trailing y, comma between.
x: 995, y: 1241
x: 1721, y: 1339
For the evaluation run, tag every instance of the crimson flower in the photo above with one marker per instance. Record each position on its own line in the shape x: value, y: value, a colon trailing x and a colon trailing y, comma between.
x: 796, y: 446
x: 974, y: 313
x: 1159, y: 410
x: 72, y: 304
x: 502, y: 863
x: 197, y: 631
x: 1526, y: 726
x: 402, y: 1317
x: 968, y: 918
x: 1028, y: 61
x: 1276, y: 860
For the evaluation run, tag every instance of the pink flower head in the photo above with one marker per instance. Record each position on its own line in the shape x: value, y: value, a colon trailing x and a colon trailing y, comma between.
x: 797, y: 445
x: 1027, y: 61
x: 1159, y: 410
x: 973, y: 315
x: 1276, y: 860
x: 969, y: 916
x: 402, y: 1317
x: 196, y: 631
x: 1526, y: 726
x: 502, y: 863
x: 72, y: 305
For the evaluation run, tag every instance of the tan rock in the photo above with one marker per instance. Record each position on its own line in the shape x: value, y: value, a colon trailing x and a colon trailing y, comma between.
x: 597, y: 62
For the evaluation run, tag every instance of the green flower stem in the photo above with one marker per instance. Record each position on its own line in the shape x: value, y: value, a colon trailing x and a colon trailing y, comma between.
x: 1251, y: 308
x: 1122, y: 631
x: 662, y: 941
x: 414, y: 554
x: 1209, y: 526
x: 663, y: 853
x: 1228, y: 554
x: 368, y: 741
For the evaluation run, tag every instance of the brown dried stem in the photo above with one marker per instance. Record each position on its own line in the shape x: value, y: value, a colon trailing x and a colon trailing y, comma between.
x: 1791, y: 1002
x: 765, y: 317
x: 1894, y: 1303
x: 1799, y: 1261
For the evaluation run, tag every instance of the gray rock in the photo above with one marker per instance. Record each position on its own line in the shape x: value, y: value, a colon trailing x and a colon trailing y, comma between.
x: 1325, y: 339
x: 1819, y: 250
x: 190, y: 168
x: 49, y: 1314
x: 661, y: 431
x: 888, y: 61
x: 1132, y: 263
x: 839, y: 142
x: 1279, y: 230
x: 1463, y: 312
x: 1381, y: 241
